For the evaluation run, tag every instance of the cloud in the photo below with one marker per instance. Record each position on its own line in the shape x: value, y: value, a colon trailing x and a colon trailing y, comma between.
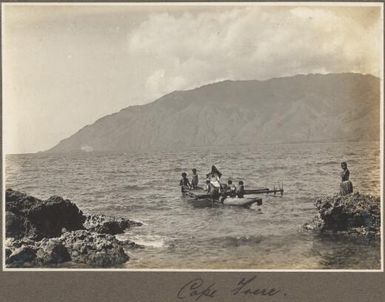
x: 159, y: 82
x: 90, y: 61
x: 186, y: 50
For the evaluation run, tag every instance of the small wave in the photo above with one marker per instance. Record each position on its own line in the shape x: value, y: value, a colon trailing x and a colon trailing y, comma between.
x: 117, y: 172
x: 331, y: 162
x: 151, y: 182
x: 127, y: 208
x: 149, y: 240
x: 351, y: 154
x: 134, y: 188
x: 234, y: 241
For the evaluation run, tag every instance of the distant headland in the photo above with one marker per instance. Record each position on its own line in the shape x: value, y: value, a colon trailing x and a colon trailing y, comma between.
x: 301, y: 108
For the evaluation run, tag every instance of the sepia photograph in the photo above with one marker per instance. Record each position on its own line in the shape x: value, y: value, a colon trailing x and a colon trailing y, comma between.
x: 192, y: 136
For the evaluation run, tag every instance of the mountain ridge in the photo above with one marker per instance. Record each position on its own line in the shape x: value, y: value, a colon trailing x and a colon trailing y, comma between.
x: 300, y: 108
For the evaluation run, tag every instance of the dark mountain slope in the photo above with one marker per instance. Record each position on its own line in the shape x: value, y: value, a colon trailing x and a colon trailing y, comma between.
x: 303, y: 108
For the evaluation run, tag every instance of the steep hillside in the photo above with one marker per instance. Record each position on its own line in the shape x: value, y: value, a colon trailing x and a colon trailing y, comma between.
x: 303, y: 108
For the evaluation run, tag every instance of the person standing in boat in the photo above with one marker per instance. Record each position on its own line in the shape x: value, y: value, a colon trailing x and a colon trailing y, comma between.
x: 215, y: 185
x: 207, y: 186
x: 184, y: 183
x: 346, y: 186
x: 214, y: 173
x: 240, y: 189
x: 195, y: 180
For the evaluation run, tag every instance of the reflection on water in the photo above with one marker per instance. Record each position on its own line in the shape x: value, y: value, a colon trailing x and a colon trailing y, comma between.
x: 177, y: 235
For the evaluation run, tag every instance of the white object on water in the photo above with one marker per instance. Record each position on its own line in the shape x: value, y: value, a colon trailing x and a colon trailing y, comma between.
x: 86, y: 148
x: 230, y: 201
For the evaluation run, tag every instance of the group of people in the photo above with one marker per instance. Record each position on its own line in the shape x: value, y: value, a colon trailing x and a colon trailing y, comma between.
x: 216, y: 188
x: 185, y: 183
x: 213, y: 185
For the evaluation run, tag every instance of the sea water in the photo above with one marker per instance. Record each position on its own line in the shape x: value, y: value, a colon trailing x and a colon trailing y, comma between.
x: 177, y: 235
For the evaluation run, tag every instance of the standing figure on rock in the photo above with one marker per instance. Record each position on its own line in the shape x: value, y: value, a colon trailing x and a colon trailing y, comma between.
x: 346, y: 186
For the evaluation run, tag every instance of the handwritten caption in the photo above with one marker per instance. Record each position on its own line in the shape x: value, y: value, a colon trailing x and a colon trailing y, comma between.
x: 197, y: 288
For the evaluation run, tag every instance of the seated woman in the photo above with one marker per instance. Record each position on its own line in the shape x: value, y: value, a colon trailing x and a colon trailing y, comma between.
x: 346, y: 186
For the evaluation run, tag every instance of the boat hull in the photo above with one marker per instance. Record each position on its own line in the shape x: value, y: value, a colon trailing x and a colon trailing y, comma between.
x: 200, y: 200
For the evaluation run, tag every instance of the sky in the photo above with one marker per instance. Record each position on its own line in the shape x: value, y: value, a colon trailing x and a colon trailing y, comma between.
x: 65, y: 66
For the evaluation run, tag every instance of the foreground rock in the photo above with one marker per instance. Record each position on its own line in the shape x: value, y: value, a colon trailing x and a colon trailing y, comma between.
x: 97, y: 250
x: 108, y: 225
x: 27, y: 216
x: 43, y: 233
x: 82, y: 246
x: 353, y: 214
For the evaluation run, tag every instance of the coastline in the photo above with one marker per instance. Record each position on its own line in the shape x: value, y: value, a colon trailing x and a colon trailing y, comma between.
x: 89, y: 241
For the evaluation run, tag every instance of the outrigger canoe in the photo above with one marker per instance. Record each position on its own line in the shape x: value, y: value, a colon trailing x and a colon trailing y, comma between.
x: 200, y: 198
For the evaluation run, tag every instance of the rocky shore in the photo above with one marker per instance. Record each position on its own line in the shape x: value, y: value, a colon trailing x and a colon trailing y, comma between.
x: 354, y: 215
x: 46, y: 233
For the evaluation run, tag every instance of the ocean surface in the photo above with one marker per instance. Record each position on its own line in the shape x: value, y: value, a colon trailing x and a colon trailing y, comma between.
x: 177, y: 235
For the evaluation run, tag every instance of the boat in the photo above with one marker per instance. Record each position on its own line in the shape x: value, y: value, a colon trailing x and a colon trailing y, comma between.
x: 200, y: 198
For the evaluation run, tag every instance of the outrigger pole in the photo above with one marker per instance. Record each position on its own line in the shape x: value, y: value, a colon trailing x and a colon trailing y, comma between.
x: 266, y: 191
x: 247, y: 192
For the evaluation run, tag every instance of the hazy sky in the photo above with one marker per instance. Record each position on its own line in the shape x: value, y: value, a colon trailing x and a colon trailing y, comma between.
x: 66, y: 66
